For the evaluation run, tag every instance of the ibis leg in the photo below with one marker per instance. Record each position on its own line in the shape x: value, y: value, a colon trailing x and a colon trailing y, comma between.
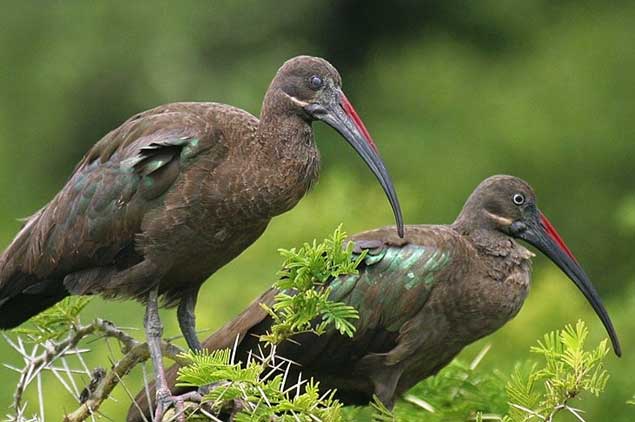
x: 187, y: 320
x: 154, y: 332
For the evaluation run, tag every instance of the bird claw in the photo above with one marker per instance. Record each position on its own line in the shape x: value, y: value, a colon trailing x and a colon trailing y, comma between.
x: 165, y: 400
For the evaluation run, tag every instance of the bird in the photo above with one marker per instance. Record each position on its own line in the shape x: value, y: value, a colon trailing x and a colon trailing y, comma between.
x: 174, y: 193
x: 421, y: 298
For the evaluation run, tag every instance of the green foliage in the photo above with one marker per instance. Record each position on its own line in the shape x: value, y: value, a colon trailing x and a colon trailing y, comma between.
x: 380, y: 412
x: 210, y: 367
x: 53, y: 324
x: 568, y: 371
x: 304, y: 295
x: 465, y: 392
x: 259, y: 399
x: 631, y: 401
x: 460, y: 391
x: 538, y: 89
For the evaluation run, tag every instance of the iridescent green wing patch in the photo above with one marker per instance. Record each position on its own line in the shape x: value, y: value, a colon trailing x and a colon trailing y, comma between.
x: 158, y: 163
x: 393, y: 284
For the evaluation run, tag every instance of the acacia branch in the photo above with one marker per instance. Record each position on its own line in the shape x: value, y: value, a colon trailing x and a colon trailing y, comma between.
x: 52, y: 351
x: 137, y: 353
x: 134, y: 353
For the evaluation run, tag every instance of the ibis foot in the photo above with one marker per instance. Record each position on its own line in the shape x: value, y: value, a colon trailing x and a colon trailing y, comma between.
x: 165, y: 400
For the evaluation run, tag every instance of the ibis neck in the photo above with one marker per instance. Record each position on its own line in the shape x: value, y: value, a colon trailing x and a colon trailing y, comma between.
x: 283, y: 129
x: 490, y: 242
x: 284, y: 140
x: 500, y: 253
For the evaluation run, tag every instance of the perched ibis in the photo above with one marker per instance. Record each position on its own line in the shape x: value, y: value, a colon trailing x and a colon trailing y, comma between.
x: 421, y: 298
x: 173, y: 194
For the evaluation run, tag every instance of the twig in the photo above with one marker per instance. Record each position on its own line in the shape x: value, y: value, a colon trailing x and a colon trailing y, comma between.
x: 35, y: 363
x: 134, y: 352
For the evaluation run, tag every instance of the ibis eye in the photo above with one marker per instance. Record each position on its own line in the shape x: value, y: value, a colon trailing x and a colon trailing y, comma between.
x: 518, y: 199
x: 315, y: 82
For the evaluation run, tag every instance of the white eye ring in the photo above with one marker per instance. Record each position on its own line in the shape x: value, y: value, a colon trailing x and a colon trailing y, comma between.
x: 518, y: 198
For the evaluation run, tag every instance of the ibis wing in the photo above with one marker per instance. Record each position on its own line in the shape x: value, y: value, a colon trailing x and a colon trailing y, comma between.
x: 393, y: 283
x: 95, y: 217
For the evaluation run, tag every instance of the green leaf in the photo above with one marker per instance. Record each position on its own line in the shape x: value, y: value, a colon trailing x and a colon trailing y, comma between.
x: 568, y: 371
x: 303, y: 303
x: 380, y: 412
x: 459, y: 392
x: 55, y: 322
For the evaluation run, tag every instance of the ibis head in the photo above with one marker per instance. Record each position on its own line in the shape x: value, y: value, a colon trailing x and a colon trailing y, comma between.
x: 312, y: 88
x: 508, y: 204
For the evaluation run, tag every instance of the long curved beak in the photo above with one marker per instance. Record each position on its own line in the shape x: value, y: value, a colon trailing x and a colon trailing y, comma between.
x: 341, y: 116
x: 543, y: 235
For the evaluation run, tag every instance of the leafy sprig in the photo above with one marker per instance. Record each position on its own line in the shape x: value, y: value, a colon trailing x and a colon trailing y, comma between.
x: 253, y: 398
x: 304, y: 293
x: 54, y: 323
x: 303, y: 299
x: 568, y: 371
x: 380, y: 412
x: 461, y: 391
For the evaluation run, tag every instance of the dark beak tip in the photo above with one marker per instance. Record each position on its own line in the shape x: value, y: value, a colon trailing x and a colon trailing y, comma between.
x: 617, y: 348
x: 546, y: 239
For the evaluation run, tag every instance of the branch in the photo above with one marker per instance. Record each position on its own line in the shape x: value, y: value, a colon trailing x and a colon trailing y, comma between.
x: 34, y: 364
x: 137, y: 353
x: 134, y: 351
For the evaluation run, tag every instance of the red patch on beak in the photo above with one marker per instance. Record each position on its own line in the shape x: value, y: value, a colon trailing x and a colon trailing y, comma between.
x: 551, y: 231
x: 350, y: 112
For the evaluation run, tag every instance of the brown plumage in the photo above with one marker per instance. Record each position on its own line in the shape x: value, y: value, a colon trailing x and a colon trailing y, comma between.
x: 169, y: 197
x: 421, y: 299
x: 174, y: 193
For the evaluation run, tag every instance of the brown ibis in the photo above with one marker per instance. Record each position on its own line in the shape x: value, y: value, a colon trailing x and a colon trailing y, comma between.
x: 173, y: 194
x: 421, y: 298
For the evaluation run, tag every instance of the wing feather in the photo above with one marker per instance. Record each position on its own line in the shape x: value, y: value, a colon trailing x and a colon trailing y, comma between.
x: 100, y: 209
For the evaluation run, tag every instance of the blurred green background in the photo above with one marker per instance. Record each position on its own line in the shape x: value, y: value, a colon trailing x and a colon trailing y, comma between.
x: 452, y: 92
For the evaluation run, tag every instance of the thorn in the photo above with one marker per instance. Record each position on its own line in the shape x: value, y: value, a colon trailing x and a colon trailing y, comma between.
x: 477, y: 360
x: 146, y: 385
x: 66, y: 386
x: 235, y: 348
x: 13, y: 368
x: 284, y: 378
x: 40, y: 396
x: 131, y: 397
x: 209, y: 415
x: 420, y: 403
x: 70, y: 375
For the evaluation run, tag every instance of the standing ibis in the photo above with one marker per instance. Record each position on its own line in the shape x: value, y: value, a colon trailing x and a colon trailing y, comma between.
x: 421, y: 298
x: 173, y: 194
